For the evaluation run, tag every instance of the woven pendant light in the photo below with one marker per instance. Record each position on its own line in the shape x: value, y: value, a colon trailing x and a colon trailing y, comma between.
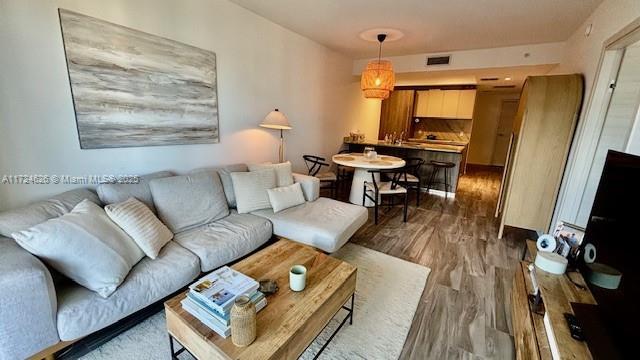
x: 378, y: 79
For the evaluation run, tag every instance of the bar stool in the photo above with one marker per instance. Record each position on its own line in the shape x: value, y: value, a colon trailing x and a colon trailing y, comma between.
x: 437, y: 166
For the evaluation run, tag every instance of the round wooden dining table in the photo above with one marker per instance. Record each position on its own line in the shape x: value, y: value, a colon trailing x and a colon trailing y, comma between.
x: 362, y: 165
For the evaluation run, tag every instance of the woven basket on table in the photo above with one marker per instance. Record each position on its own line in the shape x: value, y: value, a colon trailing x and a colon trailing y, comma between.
x: 243, y: 321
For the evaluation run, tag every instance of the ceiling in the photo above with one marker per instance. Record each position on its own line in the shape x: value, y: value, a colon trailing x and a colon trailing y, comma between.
x: 429, y: 25
x: 517, y: 74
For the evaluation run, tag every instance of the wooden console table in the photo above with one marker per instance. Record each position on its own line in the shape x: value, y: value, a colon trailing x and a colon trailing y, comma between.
x: 530, y: 336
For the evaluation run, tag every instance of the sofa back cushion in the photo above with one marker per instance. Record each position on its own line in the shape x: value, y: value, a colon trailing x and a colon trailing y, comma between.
x: 284, y: 174
x: 85, y: 245
x: 187, y: 201
x: 224, y: 172
x: 251, y: 189
x: 116, y: 193
x: 23, y: 218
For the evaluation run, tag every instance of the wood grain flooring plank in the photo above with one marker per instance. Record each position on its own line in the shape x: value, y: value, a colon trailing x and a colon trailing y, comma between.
x: 464, y: 311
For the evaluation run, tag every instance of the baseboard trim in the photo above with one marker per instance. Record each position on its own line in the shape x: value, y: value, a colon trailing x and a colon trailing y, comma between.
x: 440, y: 193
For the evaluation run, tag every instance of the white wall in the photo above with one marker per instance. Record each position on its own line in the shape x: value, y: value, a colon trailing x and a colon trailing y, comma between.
x: 486, y: 116
x: 582, y: 55
x: 260, y: 66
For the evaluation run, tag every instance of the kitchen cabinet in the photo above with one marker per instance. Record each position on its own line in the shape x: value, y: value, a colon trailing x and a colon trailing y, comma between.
x: 466, y: 102
x: 396, y: 113
x: 450, y: 104
x: 447, y: 104
x: 434, y: 99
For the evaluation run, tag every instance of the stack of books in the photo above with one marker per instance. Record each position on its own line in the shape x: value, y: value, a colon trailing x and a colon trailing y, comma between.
x: 210, y: 299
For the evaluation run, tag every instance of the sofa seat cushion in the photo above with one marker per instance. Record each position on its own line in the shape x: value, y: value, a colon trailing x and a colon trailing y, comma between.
x: 222, y: 241
x: 325, y: 224
x: 81, y: 311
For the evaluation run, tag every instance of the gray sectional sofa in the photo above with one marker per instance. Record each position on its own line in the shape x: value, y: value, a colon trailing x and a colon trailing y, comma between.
x: 39, y: 308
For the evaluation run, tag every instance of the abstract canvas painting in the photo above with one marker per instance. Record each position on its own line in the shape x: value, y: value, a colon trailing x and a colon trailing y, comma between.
x: 131, y: 88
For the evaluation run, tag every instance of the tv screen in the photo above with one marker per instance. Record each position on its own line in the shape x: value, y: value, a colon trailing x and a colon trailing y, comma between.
x: 613, y: 229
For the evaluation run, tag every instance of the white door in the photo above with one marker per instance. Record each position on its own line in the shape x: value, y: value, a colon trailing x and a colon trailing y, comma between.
x: 618, y: 123
x: 508, y: 111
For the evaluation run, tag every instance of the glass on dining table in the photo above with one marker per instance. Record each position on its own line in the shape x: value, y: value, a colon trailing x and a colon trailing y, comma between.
x: 370, y: 153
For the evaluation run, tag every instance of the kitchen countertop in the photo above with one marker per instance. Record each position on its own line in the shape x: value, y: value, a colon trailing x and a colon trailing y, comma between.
x: 426, y: 146
x: 439, y: 141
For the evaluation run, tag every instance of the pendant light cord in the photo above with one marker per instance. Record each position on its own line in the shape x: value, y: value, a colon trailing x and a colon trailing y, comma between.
x: 381, y: 38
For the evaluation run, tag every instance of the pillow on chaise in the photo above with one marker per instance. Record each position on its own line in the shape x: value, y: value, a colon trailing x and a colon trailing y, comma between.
x: 86, y: 246
x: 284, y: 197
x: 284, y: 174
x: 137, y: 220
x: 251, y: 189
x: 188, y: 201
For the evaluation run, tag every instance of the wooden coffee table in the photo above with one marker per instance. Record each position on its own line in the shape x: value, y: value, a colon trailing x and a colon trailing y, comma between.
x: 290, y: 321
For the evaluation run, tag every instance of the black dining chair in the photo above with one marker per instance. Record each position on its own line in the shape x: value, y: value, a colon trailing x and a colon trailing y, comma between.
x: 314, y: 164
x: 374, y: 190
x: 345, y: 173
x: 413, y: 180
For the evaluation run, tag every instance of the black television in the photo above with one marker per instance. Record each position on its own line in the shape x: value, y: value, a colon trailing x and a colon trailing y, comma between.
x: 613, y: 228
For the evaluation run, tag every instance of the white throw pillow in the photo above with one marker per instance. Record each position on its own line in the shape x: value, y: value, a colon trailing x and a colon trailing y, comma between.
x: 285, y: 197
x: 139, y: 222
x: 86, y: 246
x: 251, y: 189
x: 284, y: 174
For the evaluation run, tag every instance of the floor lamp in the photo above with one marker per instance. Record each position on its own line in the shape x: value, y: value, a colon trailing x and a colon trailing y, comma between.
x: 277, y: 120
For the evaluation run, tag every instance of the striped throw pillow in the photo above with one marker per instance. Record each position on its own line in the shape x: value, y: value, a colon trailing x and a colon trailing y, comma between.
x: 137, y: 220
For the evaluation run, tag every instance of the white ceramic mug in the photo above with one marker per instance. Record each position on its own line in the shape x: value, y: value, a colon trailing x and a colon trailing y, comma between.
x: 297, y: 277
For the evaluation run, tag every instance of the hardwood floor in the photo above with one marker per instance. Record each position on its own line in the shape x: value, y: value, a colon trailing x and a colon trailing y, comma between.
x: 464, y: 312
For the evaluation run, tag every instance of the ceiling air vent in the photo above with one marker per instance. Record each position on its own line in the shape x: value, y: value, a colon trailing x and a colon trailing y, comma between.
x: 504, y: 86
x: 438, y: 60
x: 489, y: 79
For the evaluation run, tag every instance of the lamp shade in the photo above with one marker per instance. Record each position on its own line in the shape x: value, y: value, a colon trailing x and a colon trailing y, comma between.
x: 276, y: 120
x: 377, y: 79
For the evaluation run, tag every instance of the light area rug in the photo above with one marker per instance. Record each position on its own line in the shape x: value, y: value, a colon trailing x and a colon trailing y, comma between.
x: 388, y: 290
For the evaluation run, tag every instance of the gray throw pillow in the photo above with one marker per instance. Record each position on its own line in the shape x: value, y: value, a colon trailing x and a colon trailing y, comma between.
x: 187, y: 201
x: 117, y: 193
x: 23, y: 218
x: 251, y: 189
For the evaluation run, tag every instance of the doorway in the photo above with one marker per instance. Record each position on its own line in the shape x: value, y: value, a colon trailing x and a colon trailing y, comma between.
x: 618, y: 122
x: 508, y: 111
x: 611, y: 121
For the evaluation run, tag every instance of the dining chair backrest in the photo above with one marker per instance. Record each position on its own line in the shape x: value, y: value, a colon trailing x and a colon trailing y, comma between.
x: 314, y: 163
x: 396, y: 176
x: 413, y: 165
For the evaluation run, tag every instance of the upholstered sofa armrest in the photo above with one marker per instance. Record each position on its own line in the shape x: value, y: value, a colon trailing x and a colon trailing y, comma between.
x: 310, y: 186
x: 28, y: 303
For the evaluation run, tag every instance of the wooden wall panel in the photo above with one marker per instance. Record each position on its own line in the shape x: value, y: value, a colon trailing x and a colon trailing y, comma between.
x: 396, y: 113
